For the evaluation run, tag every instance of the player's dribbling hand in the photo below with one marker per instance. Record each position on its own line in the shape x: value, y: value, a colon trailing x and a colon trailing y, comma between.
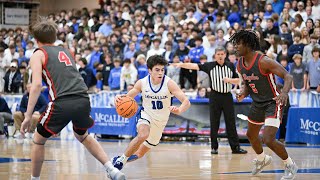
x: 282, y: 99
x: 118, y: 98
x: 174, y: 110
x: 25, y: 126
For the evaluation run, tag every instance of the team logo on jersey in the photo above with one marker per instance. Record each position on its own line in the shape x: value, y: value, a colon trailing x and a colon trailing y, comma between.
x: 250, y: 78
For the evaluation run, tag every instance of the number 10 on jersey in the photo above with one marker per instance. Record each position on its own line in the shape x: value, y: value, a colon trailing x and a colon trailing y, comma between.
x: 157, y: 105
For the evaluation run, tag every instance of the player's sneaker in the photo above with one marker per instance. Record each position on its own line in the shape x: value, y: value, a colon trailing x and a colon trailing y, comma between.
x: 132, y: 158
x: 115, y: 174
x: 117, y: 162
x: 290, y: 171
x: 259, y: 165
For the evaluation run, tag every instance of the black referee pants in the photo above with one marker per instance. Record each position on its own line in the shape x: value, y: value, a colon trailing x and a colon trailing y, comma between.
x: 222, y: 102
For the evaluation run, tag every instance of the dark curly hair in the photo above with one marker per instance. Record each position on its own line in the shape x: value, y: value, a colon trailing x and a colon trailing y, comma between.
x: 156, y: 60
x: 248, y: 38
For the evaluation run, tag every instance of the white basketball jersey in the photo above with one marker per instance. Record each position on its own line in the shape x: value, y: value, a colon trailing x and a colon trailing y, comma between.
x: 156, y: 99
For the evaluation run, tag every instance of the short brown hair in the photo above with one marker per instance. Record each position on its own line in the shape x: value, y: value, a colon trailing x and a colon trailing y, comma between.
x: 45, y: 31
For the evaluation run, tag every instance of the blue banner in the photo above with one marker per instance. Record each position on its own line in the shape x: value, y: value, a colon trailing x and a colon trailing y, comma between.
x: 107, y: 121
x: 303, y: 125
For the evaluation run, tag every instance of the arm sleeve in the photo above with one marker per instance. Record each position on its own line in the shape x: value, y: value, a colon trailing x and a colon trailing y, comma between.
x: 206, y: 67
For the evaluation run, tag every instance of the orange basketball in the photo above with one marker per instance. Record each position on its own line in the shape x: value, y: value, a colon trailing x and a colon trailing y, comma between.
x: 127, y: 107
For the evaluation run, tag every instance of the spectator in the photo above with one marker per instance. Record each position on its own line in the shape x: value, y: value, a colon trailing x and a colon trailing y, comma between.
x: 220, y: 23
x: 284, y: 63
x: 299, y: 23
x: 107, y: 66
x: 30, y: 49
x: 117, y: 54
x: 201, y: 93
x: 275, y: 47
x: 12, y: 79
x: 220, y: 41
x: 87, y: 74
x: 271, y: 29
x: 202, y: 77
x: 142, y: 66
x: 130, y: 53
x: 143, y: 49
x: 156, y: 50
x: 168, y: 54
x: 22, y: 57
x: 5, y: 114
x: 209, y: 52
x: 313, y: 70
x: 128, y: 75
x: 174, y: 72
x: 106, y: 28
x: 115, y: 74
x: 301, y: 11
x: 9, y: 55
x: 297, y: 47
x: 277, y: 6
x: 18, y: 116
x: 2, y: 43
x: 182, y: 51
x: 298, y: 72
x: 188, y: 78
x: 234, y: 16
x: 197, y: 51
x: 284, y: 50
x: 307, y: 55
x: 285, y: 34
x: 95, y: 57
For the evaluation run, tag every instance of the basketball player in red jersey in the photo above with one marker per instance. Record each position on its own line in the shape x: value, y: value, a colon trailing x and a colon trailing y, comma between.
x: 257, y: 72
x: 68, y: 100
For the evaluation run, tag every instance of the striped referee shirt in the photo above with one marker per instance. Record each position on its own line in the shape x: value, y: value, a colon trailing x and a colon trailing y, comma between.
x: 217, y: 72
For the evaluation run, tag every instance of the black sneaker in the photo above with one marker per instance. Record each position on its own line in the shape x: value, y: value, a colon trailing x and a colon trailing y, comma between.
x: 214, y: 151
x: 239, y: 150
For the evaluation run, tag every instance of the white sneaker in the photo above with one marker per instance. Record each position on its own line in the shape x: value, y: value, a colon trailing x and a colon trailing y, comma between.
x: 259, y: 165
x: 30, y: 135
x: 17, y: 135
x: 290, y: 171
x: 115, y: 174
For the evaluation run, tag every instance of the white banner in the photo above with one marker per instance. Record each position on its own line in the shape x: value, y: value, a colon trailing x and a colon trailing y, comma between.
x: 16, y: 16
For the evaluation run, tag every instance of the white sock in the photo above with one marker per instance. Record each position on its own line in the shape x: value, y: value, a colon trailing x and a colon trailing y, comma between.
x: 288, y: 161
x: 35, y: 178
x: 108, y: 166
x: 261, y: 156
x: 124, y: 159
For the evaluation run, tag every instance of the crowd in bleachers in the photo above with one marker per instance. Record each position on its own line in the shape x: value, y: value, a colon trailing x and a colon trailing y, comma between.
x: 112, y: 44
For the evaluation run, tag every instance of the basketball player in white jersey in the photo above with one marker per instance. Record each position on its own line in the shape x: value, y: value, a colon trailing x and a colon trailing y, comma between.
x: 157, y: 89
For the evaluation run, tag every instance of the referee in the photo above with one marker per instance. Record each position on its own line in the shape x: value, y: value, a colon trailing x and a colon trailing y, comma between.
x: 221, y: 75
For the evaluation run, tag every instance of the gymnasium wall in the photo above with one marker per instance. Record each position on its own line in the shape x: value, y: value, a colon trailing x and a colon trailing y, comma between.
x: 50, y: 6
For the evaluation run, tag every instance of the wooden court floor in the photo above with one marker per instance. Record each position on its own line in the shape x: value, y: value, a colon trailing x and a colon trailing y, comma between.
x: 68, y: 160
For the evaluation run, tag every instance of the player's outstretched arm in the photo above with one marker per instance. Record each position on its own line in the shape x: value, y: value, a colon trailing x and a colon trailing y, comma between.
x: 36, y: 66
x: 192, y: 66
x: 179, y: 94
x: 270, y: 66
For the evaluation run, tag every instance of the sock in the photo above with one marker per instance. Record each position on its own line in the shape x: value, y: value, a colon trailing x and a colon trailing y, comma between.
x: 35, y: 178
x: 288, y: 161
x: 108, y: 166
x: 124, y: 159
x: 261, y: 156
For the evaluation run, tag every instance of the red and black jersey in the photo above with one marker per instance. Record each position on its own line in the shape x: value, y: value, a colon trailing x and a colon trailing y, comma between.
x: 60, y: 73
x: 262, y: 87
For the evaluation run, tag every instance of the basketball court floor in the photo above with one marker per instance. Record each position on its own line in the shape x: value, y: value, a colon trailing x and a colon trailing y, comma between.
x: 68, y: 160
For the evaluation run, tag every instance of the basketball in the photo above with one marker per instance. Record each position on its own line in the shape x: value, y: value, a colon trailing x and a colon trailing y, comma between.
x: 126, y: 107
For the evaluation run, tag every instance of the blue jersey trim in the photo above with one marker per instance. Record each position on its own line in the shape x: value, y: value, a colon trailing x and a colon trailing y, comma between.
x: 160, y: 85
